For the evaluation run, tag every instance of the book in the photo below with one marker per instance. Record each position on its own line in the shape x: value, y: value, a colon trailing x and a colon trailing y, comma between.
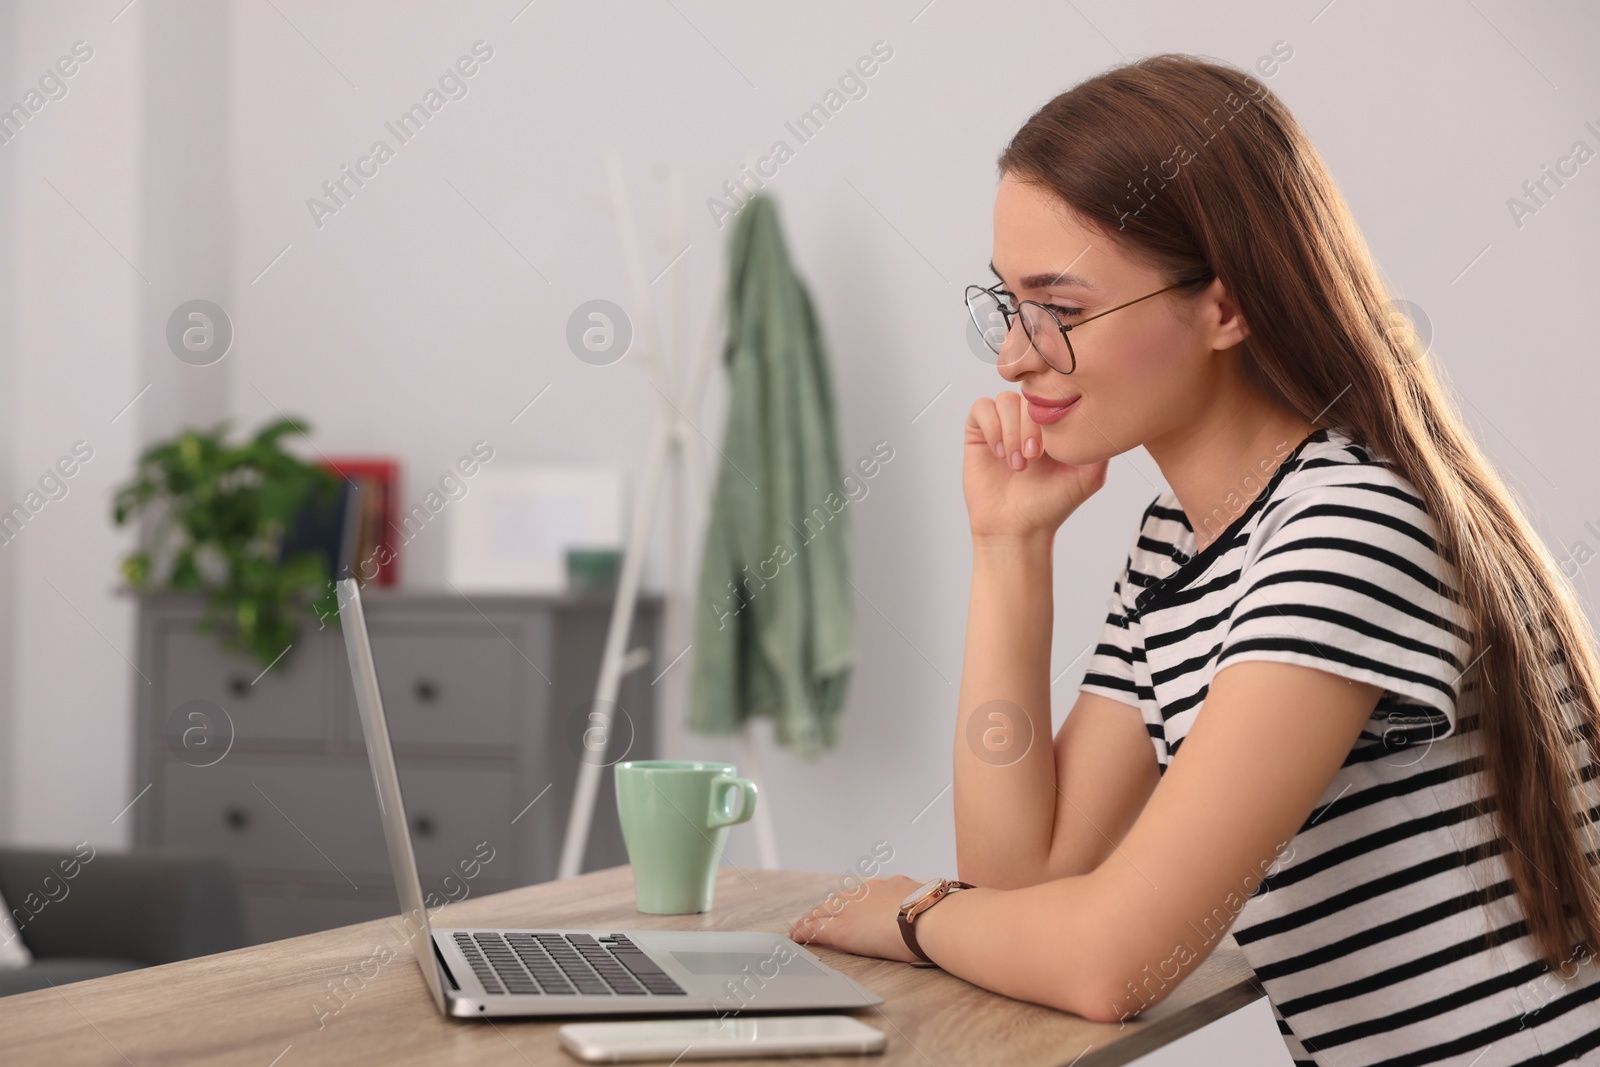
x: 322, y: 526
x: 373, y: 550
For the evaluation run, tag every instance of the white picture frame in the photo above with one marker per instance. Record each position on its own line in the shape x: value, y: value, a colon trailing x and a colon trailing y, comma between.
x: 511, y: 532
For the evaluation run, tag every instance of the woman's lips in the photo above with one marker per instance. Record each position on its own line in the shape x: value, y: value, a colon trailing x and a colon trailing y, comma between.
x: 1043, y: 412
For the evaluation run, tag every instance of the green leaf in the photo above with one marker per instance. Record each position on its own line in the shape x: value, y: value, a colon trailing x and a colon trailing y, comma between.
x: 239, y: 498
x: 136, y: 569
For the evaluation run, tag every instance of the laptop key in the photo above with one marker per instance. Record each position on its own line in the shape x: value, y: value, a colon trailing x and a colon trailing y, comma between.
x: 638, y: 963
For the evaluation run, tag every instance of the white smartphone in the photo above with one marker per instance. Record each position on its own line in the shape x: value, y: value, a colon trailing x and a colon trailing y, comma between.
x: 704, y: 1039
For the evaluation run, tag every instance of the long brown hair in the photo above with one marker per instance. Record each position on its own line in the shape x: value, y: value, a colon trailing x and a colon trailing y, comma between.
x: 1195, y: 167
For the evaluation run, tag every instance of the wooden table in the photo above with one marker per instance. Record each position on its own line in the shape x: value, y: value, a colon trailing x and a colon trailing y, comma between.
x: 263, y: 1005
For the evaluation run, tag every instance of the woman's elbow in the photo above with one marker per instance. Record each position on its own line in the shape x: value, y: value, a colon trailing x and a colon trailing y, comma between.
x: 1098, y: 980
x: 1098, y: 998
x: 1095, y: 1000
x: 1114, y: 992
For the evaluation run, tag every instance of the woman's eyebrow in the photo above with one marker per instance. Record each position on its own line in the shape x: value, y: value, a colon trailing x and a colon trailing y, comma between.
x: 1045, y: 281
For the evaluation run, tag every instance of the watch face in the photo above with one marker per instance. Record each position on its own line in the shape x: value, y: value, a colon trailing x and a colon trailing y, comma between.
x: 921, y: 891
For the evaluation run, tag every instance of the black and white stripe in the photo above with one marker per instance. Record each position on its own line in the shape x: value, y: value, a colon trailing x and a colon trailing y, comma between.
x: 1389, y: 933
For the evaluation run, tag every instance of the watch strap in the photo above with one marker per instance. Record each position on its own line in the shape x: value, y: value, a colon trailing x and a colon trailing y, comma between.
x: 907, y: 922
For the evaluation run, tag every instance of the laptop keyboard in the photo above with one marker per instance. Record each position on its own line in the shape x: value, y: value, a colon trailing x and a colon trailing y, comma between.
x: 563, y: 964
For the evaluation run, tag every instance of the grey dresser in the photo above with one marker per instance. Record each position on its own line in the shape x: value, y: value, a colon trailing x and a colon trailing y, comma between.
x: 489, y: 702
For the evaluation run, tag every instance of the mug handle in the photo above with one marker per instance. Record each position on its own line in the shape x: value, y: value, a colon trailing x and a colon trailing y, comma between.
x: 720, y: 788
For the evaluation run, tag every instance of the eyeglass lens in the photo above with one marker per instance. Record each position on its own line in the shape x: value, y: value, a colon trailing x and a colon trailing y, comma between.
x: 1041, y: 330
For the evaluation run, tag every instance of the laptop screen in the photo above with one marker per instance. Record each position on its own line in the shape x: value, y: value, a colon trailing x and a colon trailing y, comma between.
x: 396, y: 832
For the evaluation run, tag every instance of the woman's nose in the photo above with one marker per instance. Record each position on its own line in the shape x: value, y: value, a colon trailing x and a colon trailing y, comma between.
x: 1017, y: 356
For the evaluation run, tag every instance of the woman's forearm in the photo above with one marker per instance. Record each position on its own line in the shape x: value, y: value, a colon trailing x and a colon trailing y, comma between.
x: 1005, y: 783
x: 1039, y: 943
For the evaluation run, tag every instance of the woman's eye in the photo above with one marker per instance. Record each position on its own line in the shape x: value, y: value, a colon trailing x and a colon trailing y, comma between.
x: 1062, y: 309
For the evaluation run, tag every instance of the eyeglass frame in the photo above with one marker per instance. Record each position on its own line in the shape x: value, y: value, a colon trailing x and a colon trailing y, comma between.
x: 996, y: 292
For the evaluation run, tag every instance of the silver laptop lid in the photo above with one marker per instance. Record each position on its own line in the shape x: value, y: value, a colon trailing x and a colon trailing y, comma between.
x: 396, y: 832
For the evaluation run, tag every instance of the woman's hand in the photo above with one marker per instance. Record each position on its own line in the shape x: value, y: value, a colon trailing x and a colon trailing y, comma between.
x: 1013, y: 488
x: 868, y: 925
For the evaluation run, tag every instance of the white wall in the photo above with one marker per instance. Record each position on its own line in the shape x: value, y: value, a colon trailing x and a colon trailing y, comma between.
x: 430, y: 309
x: 187, y: 203
x: 8, y: 359
x: 71, y: 368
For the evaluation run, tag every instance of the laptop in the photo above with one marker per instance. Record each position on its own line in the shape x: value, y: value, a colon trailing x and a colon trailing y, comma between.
x: 537, y: 971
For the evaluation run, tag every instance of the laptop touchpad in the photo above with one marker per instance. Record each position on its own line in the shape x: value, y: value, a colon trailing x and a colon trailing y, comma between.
x: 762, y: 964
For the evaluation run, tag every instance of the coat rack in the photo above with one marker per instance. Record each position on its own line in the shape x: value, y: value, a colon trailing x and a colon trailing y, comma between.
x: 669, y: 450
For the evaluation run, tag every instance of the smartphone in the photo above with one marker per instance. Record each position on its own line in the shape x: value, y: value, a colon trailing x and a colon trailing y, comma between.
x: 704, y: 1039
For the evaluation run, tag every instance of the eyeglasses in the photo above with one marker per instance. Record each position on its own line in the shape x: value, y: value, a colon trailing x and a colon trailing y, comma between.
x: 1040, y: 322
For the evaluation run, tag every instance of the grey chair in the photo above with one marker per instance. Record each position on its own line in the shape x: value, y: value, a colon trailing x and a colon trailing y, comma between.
x: 122, y: 911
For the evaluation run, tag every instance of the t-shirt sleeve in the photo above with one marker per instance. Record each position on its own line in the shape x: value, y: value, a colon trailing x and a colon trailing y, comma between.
x: 1347, y: 578
x: 1110, y: 670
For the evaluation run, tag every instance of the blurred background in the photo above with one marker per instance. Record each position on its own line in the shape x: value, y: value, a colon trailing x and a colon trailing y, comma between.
x: 415, y: 308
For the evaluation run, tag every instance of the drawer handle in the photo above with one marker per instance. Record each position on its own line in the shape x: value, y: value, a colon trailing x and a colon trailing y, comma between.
x: 425, y: 691
x: 236, y: 818
x: 239, y: 686
x: 423, y: 826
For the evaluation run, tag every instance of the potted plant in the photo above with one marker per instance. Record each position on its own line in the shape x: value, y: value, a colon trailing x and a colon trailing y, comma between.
x: 218, y: 515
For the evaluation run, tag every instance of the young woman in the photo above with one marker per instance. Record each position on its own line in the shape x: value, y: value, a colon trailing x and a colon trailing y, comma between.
x: 1344, y: 702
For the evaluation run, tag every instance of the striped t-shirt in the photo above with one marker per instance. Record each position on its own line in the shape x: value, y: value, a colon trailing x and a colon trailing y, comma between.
x: 1388, y: 931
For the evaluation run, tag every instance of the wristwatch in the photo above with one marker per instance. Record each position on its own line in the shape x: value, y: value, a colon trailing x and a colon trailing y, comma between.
x: 920, y: 900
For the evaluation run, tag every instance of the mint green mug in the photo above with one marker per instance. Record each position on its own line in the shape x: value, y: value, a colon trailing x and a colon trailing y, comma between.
x: 675, y: 816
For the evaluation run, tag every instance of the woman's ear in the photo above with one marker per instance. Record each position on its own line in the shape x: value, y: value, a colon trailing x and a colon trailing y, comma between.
x: 1225, y: 316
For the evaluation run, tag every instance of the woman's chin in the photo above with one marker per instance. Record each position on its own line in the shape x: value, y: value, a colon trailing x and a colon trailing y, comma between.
x: 1064, y: 445
x: 1061, y: 443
